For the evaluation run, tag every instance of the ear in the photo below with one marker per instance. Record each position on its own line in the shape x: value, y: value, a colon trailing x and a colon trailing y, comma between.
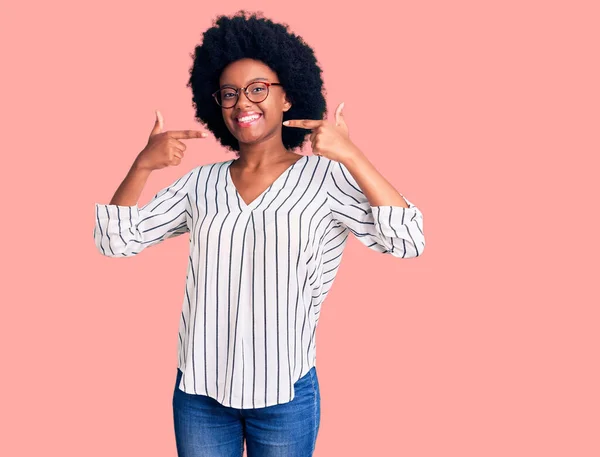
x: 287, y: 104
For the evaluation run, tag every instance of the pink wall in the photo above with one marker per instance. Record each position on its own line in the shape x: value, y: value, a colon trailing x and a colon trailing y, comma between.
x: 487, y: 345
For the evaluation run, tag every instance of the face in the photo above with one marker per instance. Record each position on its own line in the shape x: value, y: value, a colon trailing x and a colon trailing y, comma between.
x: 270, y: 111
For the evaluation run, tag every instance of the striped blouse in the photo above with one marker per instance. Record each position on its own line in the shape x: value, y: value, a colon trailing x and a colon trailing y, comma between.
x: 258, y: 272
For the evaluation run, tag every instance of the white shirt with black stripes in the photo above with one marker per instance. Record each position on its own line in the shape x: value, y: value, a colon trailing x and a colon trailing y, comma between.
x: 258, y: 272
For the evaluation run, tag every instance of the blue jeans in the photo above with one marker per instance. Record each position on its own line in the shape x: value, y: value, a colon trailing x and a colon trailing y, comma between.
x: 206, y: 428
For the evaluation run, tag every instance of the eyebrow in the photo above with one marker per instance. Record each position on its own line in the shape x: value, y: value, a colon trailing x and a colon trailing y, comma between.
x: 251, y: 81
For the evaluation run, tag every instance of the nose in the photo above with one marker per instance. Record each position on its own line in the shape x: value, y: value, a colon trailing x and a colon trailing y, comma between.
x: 243, y: 99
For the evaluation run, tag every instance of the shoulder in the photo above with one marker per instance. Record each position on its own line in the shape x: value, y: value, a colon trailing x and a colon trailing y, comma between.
x: 331, y: 173
x: 332, y: 169
x: 198, y: 174
x: 204, y: 168
x: 322, y: 163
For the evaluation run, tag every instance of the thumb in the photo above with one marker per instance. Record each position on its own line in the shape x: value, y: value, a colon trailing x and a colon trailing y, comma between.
x: 158, y: 125
x: 339, y: 117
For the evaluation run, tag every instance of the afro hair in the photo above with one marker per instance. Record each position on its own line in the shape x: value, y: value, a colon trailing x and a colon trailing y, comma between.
x: 255, y: 37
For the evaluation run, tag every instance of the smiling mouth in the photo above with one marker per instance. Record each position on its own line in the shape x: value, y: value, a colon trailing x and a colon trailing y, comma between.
x: 246, y: 121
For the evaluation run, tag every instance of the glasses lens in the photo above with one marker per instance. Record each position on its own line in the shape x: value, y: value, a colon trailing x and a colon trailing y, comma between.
x: 257, y: 92
x: 226, y: 97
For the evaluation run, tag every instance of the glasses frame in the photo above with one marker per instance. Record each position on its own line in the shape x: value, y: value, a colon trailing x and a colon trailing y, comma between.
x: 245, y: 89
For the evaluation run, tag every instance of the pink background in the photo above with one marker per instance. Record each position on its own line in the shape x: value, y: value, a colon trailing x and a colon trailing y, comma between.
x: 487, y: 345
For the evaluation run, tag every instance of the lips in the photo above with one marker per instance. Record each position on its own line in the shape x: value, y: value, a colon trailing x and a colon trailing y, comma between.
x: 248, y: 118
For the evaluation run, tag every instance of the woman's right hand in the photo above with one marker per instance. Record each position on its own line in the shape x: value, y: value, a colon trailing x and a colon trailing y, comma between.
x: 164, y: 148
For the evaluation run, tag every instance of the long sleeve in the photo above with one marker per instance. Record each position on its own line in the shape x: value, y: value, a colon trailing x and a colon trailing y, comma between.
x: 127, y: 230
x: 388, y: 229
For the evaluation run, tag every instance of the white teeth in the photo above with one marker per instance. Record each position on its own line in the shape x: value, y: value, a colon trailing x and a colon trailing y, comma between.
x: 248, y: 118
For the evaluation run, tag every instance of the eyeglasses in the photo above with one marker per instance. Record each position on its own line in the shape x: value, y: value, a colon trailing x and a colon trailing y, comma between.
x: 256, y: 92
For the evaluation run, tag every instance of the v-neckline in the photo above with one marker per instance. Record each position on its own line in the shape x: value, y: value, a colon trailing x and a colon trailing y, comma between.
x: 254, y: 202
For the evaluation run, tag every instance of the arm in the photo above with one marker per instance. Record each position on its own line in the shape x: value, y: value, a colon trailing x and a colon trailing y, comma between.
x: 359, y: 196
x: 379, y: 216
x: 376, y: 188
x: 131, y: 188
x: 124, y: 229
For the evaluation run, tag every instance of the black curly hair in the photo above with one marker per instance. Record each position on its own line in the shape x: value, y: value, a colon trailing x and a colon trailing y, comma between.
x: 255, y: 37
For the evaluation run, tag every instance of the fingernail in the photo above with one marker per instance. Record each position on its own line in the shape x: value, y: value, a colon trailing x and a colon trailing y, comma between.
x: 203, y: 134
x: 286, y: 122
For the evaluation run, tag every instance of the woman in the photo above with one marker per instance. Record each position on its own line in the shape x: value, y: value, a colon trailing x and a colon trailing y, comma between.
x: 267, y: 233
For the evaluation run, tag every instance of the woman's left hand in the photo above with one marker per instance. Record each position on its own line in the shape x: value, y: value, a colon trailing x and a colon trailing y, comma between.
x: 328, y: 140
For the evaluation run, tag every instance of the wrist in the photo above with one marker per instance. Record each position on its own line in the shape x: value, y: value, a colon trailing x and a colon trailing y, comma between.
x: 355, y: 158
x: 139, y: 167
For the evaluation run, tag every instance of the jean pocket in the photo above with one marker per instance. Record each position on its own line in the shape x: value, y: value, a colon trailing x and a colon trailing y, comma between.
x: 306, y: 383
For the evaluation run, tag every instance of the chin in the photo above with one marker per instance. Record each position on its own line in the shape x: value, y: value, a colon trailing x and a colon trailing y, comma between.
x: 250, y: 140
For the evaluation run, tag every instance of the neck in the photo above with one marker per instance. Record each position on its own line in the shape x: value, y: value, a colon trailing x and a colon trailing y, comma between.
x: 263, y: 154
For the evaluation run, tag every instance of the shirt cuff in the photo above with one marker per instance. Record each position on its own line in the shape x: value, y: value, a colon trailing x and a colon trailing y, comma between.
x: 389, y: 219
x: 106, y: 211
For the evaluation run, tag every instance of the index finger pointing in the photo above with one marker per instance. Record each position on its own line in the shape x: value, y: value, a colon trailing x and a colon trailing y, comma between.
x: 185, y: 134
x: 303, y: 123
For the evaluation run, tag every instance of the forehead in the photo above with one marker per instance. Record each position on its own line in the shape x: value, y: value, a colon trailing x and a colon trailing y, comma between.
x: 240, y: 72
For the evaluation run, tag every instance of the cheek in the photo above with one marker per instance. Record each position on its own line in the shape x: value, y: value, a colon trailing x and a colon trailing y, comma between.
x: 226, y: 119
x: 273, y: 113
